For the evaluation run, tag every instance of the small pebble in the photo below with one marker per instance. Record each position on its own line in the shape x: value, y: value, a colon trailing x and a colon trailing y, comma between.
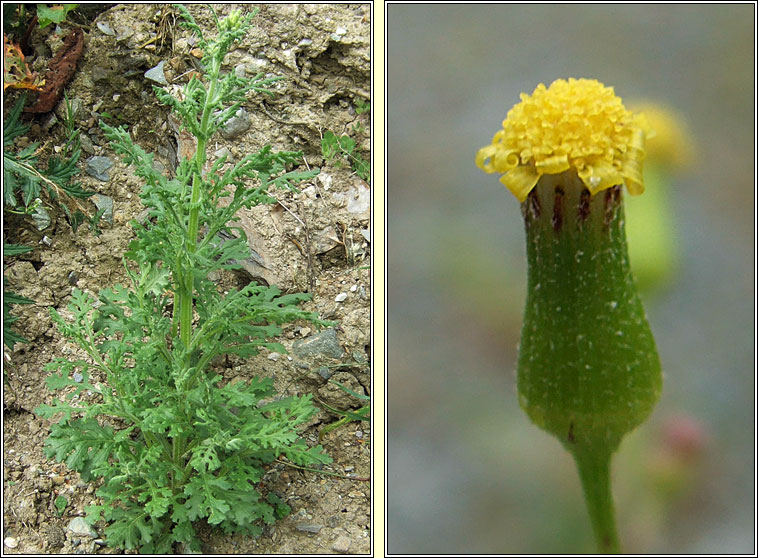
x: 104, y: 204
x: 273, y: 356
x: 78, y: 377
x: 353, y: 288
x: 340, y: 297
x: 237, y: 125
x: 98, y: 167
x: 156, y: 74
x: 41, y: 218
x: 79, y: 526
x: 10, y: 542
x: 309, y: 527
x: 105, y: 28
x: 342, y: 544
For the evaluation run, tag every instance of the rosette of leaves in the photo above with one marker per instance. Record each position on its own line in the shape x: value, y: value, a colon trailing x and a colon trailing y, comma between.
x: 173, y: 442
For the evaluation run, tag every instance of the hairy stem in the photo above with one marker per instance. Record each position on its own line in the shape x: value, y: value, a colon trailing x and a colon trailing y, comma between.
x: 185, y: 295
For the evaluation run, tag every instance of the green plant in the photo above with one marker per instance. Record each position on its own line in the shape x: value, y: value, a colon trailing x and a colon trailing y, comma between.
x: 362, y: 106
x: 53, y: 14
x: 333, y: 146
x: 10, y: 337
x: 60, y: 504
x: 173, y: 442
x: 588, y: 368
x: 23, y: 179
x: 362, y: 414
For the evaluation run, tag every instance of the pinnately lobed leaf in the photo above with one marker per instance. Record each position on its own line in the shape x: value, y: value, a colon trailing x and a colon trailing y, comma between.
x: 172, y: 442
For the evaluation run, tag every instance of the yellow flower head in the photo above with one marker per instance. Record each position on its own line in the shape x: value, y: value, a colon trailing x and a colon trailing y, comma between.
x: 670, y: 143
x: 577, y: 124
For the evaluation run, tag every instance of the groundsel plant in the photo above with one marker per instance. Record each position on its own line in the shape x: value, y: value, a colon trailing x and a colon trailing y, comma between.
x: 172, y: 442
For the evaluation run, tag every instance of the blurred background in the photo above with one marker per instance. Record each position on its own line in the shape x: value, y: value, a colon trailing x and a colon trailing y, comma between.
x: 467, y: 471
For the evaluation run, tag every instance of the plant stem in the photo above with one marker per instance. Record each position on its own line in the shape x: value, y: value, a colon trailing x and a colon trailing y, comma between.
x: 185, y: 294
x: 595, y: 473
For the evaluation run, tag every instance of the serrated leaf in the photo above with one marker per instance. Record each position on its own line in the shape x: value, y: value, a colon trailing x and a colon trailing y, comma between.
x: 205, y: 459
x: 83, y: 443
x: 206, y: 499
x: 53, y: 14
x: 131, y: 527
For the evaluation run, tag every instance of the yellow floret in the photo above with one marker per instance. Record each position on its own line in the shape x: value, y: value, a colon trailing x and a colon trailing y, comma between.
x: 670, y: 143
x: 577, y: 124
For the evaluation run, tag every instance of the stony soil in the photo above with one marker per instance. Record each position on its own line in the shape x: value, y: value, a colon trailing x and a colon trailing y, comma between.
x: 316, y: 240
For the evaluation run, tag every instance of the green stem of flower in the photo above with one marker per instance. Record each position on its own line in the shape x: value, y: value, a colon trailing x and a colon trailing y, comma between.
x: 595, y: 473
x: 193, y: 226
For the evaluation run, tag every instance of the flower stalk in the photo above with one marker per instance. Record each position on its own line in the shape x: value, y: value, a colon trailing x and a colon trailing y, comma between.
x: 588, y: 368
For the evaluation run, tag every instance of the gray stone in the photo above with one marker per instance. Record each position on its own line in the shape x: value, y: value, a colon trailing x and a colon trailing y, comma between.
x: 342, y: 544
x: 325, y: 372
x: 104, y: 204
x: 309, y: 527
x: 325, y: 240
x: 156, y: 74
x: 98, y: 167
x: 237, y: 125
x: 86, y: 143
x: 224, y: 151
x: 357, y: 199
x: 79, y: 526
x: 41, y: 218
x: 105, y: 28
x: 323, y: 343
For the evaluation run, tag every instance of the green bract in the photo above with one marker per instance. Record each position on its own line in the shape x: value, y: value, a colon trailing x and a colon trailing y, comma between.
x: 171, y: 443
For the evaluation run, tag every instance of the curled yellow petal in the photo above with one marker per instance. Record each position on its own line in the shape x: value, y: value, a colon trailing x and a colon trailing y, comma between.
x: 520, y: 181
x: 553, y: 165
x: 481, y: 158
